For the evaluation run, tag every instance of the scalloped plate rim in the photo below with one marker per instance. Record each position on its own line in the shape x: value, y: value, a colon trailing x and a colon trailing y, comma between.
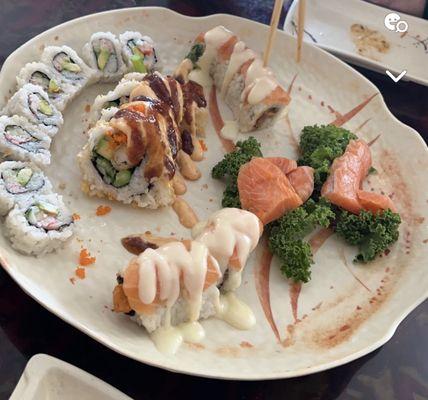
x: 280, y: 375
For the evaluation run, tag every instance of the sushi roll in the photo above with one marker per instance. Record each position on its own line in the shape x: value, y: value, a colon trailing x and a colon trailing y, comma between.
x: 250, y: 90
x: 138, y: 51
x: 66, y: 62
x: 180, y: 285
x: 33, y: 103
x: 59, y: 91
x: 119, y: 167
x: 230, y: 235
x: 22, y: 141
x: 262, y: 102
x: 40, y: 225
x: 113, y: 99
x: 20, y: 181
x: 103, y: 54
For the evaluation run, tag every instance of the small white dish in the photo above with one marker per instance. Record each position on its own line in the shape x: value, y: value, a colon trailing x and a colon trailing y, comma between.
x: 46, y: 377
x: 328, y: 25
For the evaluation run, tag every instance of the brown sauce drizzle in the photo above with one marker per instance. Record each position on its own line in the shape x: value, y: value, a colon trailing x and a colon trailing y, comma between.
x: 144, y: 140
x: 187, y: 142
x: 192, y: 92
x: 175, y: 103
x: 136, y: 145
x: 136, y: 244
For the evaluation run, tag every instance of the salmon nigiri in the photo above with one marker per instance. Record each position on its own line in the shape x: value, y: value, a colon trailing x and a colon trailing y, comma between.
x: 265, y: 190
x: 346, y: 175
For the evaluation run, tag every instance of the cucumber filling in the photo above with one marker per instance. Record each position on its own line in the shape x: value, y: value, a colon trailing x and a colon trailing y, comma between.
x: 46, y: 216
x: 103, y: 158
x: 40, y: 107
x: 39, y: 78
x: 22, y: 180
x: 105, y: 55
x: 63, y: 63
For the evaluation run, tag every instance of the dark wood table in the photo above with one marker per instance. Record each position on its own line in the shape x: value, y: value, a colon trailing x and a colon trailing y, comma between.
x: 398, y: 370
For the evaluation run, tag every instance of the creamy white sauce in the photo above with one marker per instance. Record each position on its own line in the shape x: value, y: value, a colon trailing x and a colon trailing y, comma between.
x: 217, y: 36
x: 198, y: 228
x: 235, y: 312
x: 213, y: 39
x: 168, y: 266
x: 240, y: 55
x: 260, y: 89
x: 229, y: 228
x: 169, y: 339
x: 230, y: 130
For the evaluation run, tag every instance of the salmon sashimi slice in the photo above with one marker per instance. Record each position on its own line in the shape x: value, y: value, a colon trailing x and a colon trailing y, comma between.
x: 265, y: 191
x: 375, y: 202
x: 346, y: 175
x: 302, y: 180
x: 284, y: 164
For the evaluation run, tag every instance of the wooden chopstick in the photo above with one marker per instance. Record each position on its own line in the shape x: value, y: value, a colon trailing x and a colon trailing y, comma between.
x: 300, y: 28
x: 276, y: 13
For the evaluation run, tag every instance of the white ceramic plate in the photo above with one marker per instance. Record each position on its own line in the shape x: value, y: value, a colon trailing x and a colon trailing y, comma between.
x: 328, y: 24
x: 47, y: 377
x: 338, y: 318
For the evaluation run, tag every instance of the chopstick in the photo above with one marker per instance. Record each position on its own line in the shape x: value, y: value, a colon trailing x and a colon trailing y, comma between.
x: 300, y: 28
x: 276, y: 13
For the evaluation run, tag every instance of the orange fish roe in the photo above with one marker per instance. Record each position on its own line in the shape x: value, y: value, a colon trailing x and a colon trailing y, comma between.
x: 80, y: 273
x: 103, y: 210
x: 203, y: 145
x: 76, y: 217
x: 85, y: 258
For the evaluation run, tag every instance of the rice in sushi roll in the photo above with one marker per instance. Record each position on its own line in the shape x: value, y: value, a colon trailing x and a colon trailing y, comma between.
x: 189, y: 272
x: 59, y: 91
x: 40, y: 225
x: 22, y: 141
x: 138, y: 51
x: 116, y: 167
x: 69, y: 65
x: 113, y: 99
x: 103, y: 54
x: 20, y: 181
x: 33, y: 103
x: 108, y: 113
